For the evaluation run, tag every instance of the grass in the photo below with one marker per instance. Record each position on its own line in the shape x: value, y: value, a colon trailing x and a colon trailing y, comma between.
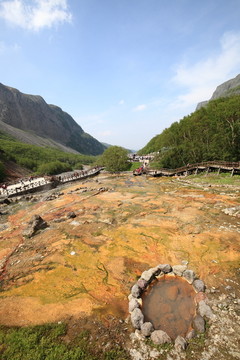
x: 45, y: 342
x: 215, y: 178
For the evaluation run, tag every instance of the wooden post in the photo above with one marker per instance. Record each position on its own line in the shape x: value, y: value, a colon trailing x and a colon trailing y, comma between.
x: 207, y: 171
x: 219, y: 169
x: 232, y: 172
x: 196, y: 171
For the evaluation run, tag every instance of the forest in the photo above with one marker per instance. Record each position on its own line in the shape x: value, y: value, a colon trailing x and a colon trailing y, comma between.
x: 208, y: 134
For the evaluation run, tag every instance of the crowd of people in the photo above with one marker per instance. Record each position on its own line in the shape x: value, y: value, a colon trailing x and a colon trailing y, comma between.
x: 25, y: 184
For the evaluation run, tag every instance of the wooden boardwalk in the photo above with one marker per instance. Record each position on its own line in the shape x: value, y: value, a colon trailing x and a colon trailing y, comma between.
x: 208, y: 166
x: 46, y: 182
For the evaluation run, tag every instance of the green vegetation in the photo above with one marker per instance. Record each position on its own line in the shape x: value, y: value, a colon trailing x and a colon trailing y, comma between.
x: 45, y: 343
x: 115, y: 159
x: 40, y: 160
x: 135, y: 165
x: 215, y: 178
x: 2, y: 172
x: 210, y: 133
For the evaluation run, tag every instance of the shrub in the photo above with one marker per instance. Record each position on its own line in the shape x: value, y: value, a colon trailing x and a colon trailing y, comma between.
x: 53, y: 168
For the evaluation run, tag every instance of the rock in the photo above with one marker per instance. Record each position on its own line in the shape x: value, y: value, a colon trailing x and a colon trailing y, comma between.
x: 71, y: 215
x: 136, y: 291
x: 200, y: 296
x: 198, y: 285
x: 191, y: 334
x: 147, y: 328
x: 179, y: 269
x: 142, y: 284
x: 180, y: 343
x: 165, y: 268
x: 160, y: 337
x: 205, y: 310
x: 35, y: 224
x: 133, y: 304
x: 189, y: 275
x: 150, y: 274
x: 199, y: 324
x: 137, y: 318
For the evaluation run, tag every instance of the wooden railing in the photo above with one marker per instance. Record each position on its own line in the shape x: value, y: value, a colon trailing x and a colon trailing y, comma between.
x: 221, y: 165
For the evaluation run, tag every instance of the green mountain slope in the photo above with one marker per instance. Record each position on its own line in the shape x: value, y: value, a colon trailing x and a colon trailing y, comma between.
x: 210, y: 133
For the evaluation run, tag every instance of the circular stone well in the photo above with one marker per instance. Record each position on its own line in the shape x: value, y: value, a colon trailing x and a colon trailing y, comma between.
x: 169, y: 305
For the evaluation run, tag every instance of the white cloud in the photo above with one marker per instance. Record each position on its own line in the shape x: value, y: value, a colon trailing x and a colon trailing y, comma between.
x: 35, y: 14
x: 200, y: 79
x: 140, y: 107
x: 121, y: 102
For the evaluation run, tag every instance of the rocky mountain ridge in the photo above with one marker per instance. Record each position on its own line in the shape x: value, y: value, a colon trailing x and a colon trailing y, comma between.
x: 30, y: 119
x: 228, y: 88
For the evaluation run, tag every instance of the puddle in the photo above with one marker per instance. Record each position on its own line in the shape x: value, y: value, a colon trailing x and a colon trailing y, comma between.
x: 168, y: 304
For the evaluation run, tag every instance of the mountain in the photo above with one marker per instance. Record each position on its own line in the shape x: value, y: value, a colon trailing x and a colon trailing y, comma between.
x: 31, y: 120
x: 228, y: 88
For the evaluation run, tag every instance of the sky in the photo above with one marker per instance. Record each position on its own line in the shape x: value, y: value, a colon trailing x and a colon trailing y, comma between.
x: 123, y: 69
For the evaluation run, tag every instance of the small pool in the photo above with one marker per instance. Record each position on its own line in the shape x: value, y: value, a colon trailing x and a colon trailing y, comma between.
x: 168, y: 303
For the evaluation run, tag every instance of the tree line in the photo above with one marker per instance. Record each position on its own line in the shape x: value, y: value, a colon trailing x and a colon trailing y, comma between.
x: 210, y: 133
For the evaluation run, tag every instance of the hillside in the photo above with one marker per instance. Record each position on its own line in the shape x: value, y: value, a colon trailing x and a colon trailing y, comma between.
x: 30, y: 119
x: 228, y: 88
x: 212, y: 132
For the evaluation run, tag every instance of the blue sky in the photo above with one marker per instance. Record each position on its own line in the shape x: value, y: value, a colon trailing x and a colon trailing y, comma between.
x: 123, y: 69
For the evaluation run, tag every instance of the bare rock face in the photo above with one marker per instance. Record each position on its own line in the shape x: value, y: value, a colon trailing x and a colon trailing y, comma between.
x: 35, y: 224
x: 30, y: 119
x: 228, y: 88
x: 159, y: 337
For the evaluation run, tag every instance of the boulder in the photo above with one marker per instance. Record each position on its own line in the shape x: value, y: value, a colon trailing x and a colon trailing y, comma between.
x: 142, y: 284
x: 136, y: 291
x: 159, y: 337
x: 35, y: 224
x: 165, y: 268
x: 191, y: 334
x: 147, y: 328
x: 133, y: 304
x: 198, y: 285
x: 180, y: 343
x: 189, y: 275
x: 137, y: 318
x: 199, y: 324
x: 149, y: 275
x: 205, y: 310
x: 71, y: 215
x: 179, y: 269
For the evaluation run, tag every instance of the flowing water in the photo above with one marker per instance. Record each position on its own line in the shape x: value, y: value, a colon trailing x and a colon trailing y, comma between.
x: 168, y: 304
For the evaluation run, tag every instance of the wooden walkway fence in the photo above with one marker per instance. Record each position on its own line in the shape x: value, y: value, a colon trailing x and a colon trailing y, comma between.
x: 233, y: 167
x: 46, y: 182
